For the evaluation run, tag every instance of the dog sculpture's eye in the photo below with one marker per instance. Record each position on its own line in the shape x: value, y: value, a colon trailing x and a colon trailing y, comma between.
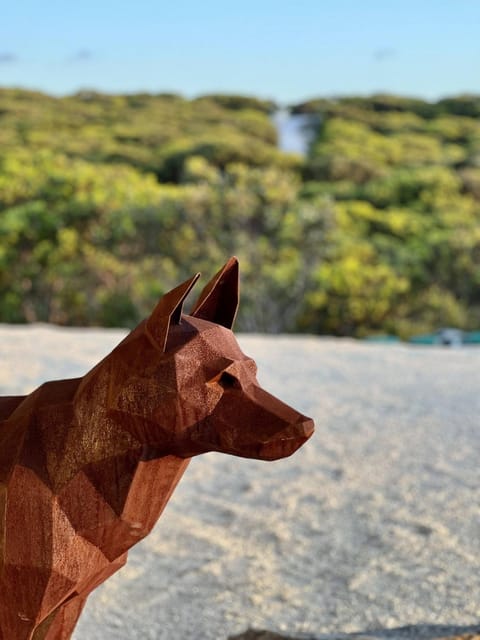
x: 227, y: 381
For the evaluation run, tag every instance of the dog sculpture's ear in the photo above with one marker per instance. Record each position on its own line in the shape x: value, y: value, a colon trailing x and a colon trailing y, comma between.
x: 218, y: 301
x: 168, y: 311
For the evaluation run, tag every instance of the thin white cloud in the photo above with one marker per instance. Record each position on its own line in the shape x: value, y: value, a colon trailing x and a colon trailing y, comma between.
x: 6, y: 57
x: 82, y: 55
x: 385, y: 53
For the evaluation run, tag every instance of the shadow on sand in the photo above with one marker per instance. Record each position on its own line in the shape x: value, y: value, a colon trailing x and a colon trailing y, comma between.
x: 412, y: 632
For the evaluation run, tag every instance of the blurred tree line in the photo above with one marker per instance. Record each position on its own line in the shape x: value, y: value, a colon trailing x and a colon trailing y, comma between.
x: 107, y: 201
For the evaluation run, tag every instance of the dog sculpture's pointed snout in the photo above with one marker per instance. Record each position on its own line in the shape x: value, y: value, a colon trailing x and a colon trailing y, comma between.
x: 307, y: 426
x: 285, y: 444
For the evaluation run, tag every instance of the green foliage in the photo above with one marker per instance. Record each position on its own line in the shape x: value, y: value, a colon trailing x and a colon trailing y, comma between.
x: 240, y: 103
x: 108, y: 201
x: 404, y: 177
x: 464, y: 105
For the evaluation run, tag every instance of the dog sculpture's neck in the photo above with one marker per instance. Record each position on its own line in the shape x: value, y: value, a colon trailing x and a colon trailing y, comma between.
x: 81, y: 420
x: 73, y: 418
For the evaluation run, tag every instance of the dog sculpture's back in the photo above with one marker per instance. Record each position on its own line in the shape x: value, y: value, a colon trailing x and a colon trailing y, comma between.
x: 87, y: 465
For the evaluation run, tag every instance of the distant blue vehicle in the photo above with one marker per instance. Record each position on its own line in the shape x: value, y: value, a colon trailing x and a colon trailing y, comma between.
x: 448, y: 337
x: 471, y: 337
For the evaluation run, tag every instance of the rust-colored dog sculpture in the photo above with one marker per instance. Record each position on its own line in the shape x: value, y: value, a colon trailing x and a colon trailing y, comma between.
x: 87, y: 465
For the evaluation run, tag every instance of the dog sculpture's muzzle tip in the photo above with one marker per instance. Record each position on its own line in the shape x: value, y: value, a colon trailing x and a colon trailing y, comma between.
x: 307, y: 426
x: 303, y: 428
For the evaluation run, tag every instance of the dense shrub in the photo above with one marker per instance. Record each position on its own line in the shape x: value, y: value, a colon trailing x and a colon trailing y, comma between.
x: 107, y: 201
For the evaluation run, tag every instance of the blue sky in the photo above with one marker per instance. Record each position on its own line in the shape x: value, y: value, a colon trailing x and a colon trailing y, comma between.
x: 286, y: 51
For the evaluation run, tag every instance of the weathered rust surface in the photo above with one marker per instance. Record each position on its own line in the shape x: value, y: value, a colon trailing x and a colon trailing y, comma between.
x: 87, y: 465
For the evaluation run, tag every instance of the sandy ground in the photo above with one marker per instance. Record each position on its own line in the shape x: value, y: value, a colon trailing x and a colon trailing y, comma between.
x: 373, y: 524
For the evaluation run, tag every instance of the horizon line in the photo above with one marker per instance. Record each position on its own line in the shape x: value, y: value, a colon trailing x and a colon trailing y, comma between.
x: 228, y: 93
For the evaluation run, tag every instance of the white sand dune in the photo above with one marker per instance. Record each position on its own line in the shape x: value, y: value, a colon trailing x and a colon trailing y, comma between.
x: 374, y: 523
